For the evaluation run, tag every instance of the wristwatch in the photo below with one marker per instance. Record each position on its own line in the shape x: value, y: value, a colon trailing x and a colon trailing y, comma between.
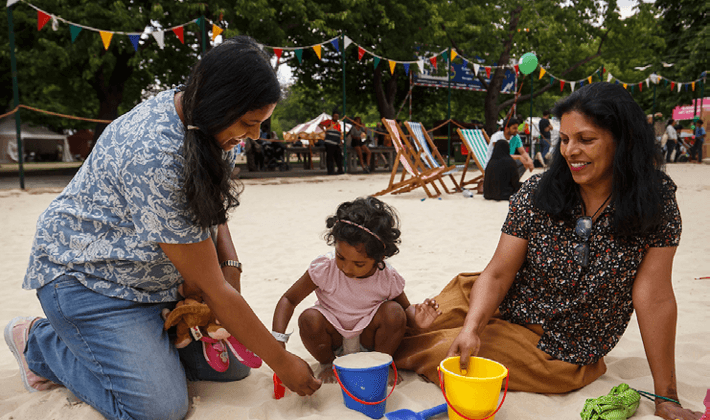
x: 231, y: 263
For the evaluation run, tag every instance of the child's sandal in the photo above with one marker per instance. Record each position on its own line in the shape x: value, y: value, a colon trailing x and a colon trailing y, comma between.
x: 215, y: 353
x: 244, y: 355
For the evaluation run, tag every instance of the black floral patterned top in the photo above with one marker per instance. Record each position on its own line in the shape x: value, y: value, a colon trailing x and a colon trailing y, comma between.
x: 583, y: 311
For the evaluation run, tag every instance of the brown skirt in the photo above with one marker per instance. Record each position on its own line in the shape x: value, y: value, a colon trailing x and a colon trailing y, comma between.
x: 513, y: 345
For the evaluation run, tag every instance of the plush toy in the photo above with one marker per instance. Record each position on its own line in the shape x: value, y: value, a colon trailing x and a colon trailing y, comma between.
x: 193, y: 319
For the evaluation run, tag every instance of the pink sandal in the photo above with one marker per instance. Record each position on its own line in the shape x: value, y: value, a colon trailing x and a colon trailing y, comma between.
x: 242, y: 353
x: 215, y: 353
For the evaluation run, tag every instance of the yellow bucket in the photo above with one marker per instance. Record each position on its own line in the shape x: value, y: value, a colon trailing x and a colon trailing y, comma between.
x: 473, y: 394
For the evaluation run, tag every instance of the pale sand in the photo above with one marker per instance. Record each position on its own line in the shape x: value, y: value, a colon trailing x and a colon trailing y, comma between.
x: 278, y: 231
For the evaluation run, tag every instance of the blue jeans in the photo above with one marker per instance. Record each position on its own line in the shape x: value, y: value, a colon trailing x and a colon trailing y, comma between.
x: 114, y: 355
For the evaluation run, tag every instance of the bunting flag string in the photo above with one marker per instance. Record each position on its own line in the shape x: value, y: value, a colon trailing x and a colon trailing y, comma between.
x: 44, y: 17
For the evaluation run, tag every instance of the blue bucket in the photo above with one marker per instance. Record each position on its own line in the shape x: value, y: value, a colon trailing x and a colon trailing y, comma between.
x: 363, y: 379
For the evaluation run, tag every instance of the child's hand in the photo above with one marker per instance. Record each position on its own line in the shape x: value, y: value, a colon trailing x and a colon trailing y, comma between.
x: 425, y: 313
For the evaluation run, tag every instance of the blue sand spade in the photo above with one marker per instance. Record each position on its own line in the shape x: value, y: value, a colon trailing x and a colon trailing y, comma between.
x: 405, y: 414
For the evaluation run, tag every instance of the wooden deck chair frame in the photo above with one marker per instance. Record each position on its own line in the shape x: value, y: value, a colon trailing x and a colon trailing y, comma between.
x: 430, y: 153
x: 476, y: 141
x: 414, y: 173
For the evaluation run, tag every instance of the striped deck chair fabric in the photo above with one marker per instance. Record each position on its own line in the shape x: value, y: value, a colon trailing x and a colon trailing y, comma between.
x: 433, y: 160
x: 476, y: 142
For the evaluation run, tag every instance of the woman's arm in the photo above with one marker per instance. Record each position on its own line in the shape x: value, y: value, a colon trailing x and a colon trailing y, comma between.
x: 226, y: 251
x: 288, y: 302
x: 487, y: 293
x: 197, y: 263
x: 656, y: 311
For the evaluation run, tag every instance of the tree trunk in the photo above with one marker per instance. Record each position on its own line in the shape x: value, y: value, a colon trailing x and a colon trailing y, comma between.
x: 385, y: 94
x: 110, y: 92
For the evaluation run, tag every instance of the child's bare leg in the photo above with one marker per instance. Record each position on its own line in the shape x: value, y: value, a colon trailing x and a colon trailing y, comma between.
x: 385, y: 332
x: 320, y: 338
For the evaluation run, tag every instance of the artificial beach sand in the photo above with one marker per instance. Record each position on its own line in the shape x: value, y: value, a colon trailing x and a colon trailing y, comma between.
x: 278, y: 230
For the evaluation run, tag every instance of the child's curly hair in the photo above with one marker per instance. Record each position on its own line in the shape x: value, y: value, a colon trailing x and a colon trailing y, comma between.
x: 366, y: 221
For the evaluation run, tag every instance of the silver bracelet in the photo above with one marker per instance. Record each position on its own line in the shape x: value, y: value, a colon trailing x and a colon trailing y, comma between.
x: 281, y: 337
x: 231, y: 263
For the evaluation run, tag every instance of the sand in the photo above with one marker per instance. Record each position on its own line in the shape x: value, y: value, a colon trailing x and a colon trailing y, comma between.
x: 278, y: 230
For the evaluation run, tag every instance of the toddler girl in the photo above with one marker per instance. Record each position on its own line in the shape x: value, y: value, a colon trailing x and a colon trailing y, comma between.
x: 360, y: 296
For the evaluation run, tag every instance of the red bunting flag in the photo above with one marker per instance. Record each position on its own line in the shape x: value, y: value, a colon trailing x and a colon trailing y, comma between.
x: 42, y: 19
x: 672, y: 85
x: 360, y: 53
x: 562, y: 85
x: 517, y: 69
x: 488, y: 72
x: 180, y: 33
x: 278, y: 52
x: 433, y: 61
x: 641, y: 87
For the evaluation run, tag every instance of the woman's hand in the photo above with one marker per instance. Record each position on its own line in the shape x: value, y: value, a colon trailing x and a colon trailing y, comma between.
x: 672, y: 411
x: 466, y: 345
x: 425, y: 313
x: 296, y: 375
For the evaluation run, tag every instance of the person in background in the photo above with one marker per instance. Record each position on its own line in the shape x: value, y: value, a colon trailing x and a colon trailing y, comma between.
x: 333, y: 140
x: 509, y: 133
x: 696, y: 152
x: 502, y: 179
x: 358, y: 140
x: 672, y: 141
x: 545, y: 135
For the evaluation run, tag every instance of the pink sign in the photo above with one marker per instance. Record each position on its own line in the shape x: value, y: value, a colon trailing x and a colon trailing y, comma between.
x: 685, y: 112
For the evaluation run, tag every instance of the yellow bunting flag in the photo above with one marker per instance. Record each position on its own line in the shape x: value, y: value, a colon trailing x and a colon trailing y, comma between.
x: 317, y: 49
x: 589, y: 79
x: 625, y: 85
x: 453, y: 54
x: 542, y: 72
x: 392, y: 64
x: 216, y: 30
x: 693, y: 86
x: 106, y: 38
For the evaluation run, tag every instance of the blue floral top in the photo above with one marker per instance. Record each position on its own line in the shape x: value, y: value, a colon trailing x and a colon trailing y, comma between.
x: 106, y: 226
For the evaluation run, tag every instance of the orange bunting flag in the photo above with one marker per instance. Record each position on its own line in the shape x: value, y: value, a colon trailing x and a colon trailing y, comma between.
x: 488, y: 72
x: 317, y: 49
x: 360, y: 53
x: 106, y: 38
x: 42, y: 19
x: 433, y: 61
x: 453, y: 54
x: 542, y: 73
x: 589, y: 79
x: 392, y: 64
x: 693, y: 84
x: 216, y: 30
x: 562, y: 85
x: 180, y: 33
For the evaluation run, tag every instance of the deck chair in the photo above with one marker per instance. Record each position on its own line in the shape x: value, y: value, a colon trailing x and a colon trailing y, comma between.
x: 476, y: 142
x: 430, y: 154
x: 414, y: 173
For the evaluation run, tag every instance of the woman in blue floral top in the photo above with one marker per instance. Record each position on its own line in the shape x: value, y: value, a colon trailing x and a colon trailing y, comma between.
x: 584, y: 245
x: 133, y: 226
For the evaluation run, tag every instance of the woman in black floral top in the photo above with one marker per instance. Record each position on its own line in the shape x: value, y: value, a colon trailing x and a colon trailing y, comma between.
x: 585, y: 244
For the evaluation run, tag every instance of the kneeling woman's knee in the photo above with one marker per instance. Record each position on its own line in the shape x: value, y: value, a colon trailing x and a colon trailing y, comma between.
x: 169, y: 403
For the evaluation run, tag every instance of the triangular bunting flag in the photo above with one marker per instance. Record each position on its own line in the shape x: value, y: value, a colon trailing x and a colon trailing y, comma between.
x: 581, y: 83
x: 360, y: 53
x: 488, y: 72
x: 392, y: 64
x: 517, y: 68
x: 278, y: 52
x: 200, y: 21
x: 216, y: 30
x: 317, y: 49
x: 589, y: 79
x: 134, y: 40
x: 299, y: 54
x: 552, y: 79
x: 562, y: 85
x: 74, y: 30
x: 160, y: 38
x: 335, y: 44
x: 693, y: 86
x: 433, y: 61
x: 608, y: 77
x: 571, y: 85
x: 476, y: 67
x: 453, y: 54
x: 633, y: 88
x: 406, y: 68
x: 179, y: 31
x: 445, y: 55
x: 672, y: 85
x: 542, y: 73
x: 11, y: 2
x: 420, y: 63
x: 625, y: 85
x: 647, y: 82
x: 106, y: 38
x: 465, y: 62
x: 377, y: 61
x: 641, y: 87
x: 347, y: 41
x: 42, y: 19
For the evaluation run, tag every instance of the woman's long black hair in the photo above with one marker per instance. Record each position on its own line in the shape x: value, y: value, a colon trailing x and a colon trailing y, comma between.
x: 232, y: 79
x: 637, y: 165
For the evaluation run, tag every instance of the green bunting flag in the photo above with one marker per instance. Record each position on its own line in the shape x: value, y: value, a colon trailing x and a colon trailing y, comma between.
x: 377, y: 61
x: 74, y: 32
x: 299, y: 54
